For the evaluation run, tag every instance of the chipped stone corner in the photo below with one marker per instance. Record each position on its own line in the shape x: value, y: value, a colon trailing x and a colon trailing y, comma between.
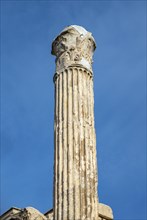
x: 105, y: 212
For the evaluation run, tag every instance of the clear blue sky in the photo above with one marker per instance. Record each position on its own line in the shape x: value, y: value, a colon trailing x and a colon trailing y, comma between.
x: 28, y: 29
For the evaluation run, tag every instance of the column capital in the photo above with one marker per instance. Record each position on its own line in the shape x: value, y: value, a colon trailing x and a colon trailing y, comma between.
x: 73, y: 46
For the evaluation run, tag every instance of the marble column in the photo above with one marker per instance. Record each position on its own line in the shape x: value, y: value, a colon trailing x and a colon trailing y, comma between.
x: 75, y: 164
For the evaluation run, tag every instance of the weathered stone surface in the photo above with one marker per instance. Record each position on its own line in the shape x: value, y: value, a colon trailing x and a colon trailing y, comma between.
x: 28, y: 213
x: 31, y: 213
x: 73, y: 46
x: 75, y: 184
x: 9, y: 214
x: 75, y: 168
x: 49, y: 214
x: 105, y: 212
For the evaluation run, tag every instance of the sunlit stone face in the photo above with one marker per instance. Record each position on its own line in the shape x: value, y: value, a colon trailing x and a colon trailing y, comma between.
x: 74, y: 46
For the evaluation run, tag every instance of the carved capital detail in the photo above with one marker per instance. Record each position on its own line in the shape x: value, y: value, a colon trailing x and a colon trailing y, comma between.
x: 74, y: 45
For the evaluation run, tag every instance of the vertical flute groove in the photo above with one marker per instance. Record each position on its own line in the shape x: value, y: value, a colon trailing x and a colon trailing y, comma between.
x: 60, y: 150
x: 65, y: 145
x: 79, y: 109
x: 76, y: 146
x: 70, y: 145
x: 55, y: 153
x: 91, y: 154
x: 85, y: 141
x: 88, y: 149
x: 94, y: 155
x: 82, y: 149
x: 73, y: 142
x: 79, y: 118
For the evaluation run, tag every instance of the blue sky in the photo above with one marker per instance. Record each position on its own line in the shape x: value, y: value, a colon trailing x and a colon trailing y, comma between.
x: 27, y: 148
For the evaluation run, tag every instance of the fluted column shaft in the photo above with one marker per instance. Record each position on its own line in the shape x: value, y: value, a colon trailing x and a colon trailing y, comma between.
x: 75, y: 184
x: 75, y: 169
